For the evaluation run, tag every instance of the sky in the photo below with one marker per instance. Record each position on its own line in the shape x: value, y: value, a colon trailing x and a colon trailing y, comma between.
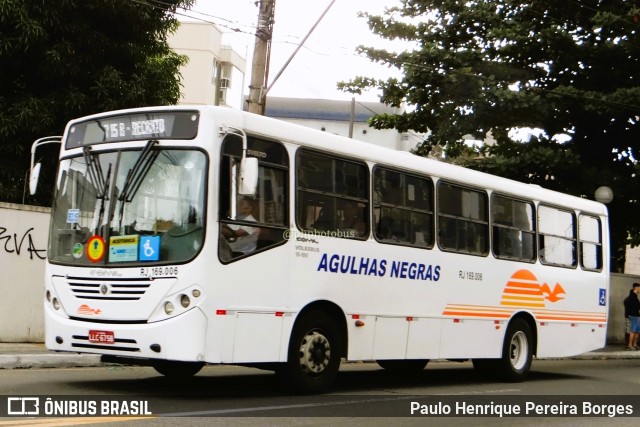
x: 327, y: 57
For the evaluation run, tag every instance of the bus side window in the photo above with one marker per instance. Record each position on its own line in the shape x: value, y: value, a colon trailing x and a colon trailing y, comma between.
x: 463, y: 219
x: 403, y: 208
x: 513, y: 228
x: 590, y: 235
x: 557, y: 234
x: 332, y: 195
x: 250, y: 224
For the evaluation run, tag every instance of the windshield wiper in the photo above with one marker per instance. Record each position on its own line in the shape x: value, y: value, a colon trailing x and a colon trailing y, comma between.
x: 96, y: 174
x: 99, y: 181
x: 136, y: 174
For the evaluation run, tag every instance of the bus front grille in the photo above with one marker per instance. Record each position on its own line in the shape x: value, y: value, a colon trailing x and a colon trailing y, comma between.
x: 111, y: 290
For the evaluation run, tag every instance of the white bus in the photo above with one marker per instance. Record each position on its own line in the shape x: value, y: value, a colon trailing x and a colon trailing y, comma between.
x: 184, y: 236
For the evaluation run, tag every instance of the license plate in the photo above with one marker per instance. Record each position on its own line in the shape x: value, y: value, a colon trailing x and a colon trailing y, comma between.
x: 102, y: 337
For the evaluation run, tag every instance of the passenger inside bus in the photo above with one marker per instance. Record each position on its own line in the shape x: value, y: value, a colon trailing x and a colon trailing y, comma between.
x: 353, y: 218
x: 326, y: 218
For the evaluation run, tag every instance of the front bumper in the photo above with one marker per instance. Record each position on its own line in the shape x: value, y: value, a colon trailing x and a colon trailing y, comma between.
x: 179, y: 338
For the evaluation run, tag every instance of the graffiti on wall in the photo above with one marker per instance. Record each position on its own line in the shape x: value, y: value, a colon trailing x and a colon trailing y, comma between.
x: 20, y: 245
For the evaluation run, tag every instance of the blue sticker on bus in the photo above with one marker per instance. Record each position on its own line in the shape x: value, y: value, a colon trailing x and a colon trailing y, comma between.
x: 602, y: 299
x: 149, y: 248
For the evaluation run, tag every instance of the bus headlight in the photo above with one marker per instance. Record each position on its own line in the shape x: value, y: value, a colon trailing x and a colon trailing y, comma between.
x: 56, y: 304
x: 185, y: 301
x: 168, y: 307
x: 48, y: 295
x: 177, y: 303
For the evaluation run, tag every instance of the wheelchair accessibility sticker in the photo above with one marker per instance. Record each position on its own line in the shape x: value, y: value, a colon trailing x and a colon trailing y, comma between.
x: 149, y: 248
x: 602, y: 300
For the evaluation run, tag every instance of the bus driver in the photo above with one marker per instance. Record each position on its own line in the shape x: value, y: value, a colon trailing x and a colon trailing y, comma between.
x: 242, y: 239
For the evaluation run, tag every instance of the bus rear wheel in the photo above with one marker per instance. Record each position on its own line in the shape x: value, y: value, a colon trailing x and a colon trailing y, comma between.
x: 314, y: 354
x: 517, y: 351
x: 177, y: 370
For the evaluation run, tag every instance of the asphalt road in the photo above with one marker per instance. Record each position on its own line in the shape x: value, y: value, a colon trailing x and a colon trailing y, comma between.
x: 363, y: 395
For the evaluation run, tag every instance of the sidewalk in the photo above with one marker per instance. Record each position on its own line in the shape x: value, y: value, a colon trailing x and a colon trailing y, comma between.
x: 27, y: 355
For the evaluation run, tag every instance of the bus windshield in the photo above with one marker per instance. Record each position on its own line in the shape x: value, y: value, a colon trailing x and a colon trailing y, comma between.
x: 141, y: 206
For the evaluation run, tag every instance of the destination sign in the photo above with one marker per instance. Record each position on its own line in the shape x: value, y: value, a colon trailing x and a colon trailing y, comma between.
x: 134, y: 127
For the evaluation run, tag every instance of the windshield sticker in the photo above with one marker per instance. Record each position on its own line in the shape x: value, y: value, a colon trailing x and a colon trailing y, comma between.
x: 123, y: 248
x: 95, y: 248
x: 149, y: 248
x: 73, y: 215
x: 78, y: 249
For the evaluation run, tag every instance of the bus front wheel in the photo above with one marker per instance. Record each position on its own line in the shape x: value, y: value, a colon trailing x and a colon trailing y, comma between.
x: 314, y: 354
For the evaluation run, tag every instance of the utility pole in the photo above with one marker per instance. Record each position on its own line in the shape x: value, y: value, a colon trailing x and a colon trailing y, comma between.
x: 261, y: 54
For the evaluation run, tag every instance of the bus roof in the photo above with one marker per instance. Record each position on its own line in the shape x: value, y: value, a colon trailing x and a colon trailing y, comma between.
x: 316, y: 139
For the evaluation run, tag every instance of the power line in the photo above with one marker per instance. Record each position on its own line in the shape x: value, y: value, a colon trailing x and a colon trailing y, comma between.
x: 156, y: 4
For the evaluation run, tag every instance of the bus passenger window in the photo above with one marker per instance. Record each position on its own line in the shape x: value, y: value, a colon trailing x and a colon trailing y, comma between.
x: 333, y: 197
x: 590, y: 236
x: 557, y: 234
x: 463, y: 224
x: 403, y: 208
x: 513, y: 228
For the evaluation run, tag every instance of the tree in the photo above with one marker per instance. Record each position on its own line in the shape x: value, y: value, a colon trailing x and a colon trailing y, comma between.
x: 62, y: 59
x: 487, y: 68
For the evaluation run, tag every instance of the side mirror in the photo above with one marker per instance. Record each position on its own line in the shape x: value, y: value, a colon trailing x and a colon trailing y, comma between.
x: 34, y: 175
x: 248, y: 182
x: 34, y: 171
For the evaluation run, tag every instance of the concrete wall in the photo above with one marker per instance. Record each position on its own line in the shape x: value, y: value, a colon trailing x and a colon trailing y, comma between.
x: 23, y: 248
x: 23, y: 244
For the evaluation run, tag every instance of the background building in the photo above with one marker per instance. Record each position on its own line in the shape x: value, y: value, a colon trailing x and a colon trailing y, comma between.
x: 215, y: 73
x: 345, y: 118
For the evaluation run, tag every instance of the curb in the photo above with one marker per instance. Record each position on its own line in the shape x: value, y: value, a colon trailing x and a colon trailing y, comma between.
x: 24, y: 361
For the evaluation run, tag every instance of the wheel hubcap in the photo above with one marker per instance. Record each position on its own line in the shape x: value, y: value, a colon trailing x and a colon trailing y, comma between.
x: 519, y: 350
x: 315, y: 353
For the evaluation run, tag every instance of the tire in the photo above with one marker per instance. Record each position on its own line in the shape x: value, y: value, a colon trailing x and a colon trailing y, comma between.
x: 403, y: 367
x: 315, y: 350
x: 517, y: 352
x: 178, y: 370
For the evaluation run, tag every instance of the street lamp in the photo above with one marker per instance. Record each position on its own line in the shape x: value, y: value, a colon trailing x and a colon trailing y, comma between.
x: 604, y: 194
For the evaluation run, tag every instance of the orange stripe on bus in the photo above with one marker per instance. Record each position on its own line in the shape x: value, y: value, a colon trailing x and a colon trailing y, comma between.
x: 523, y: 285
x: 463, y: 310
x: 476, y: 314
x: 521, y: 298
x: 584, y: 319
x: 522, y: 292
x: 477, y: 308
x: 521, y: 304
